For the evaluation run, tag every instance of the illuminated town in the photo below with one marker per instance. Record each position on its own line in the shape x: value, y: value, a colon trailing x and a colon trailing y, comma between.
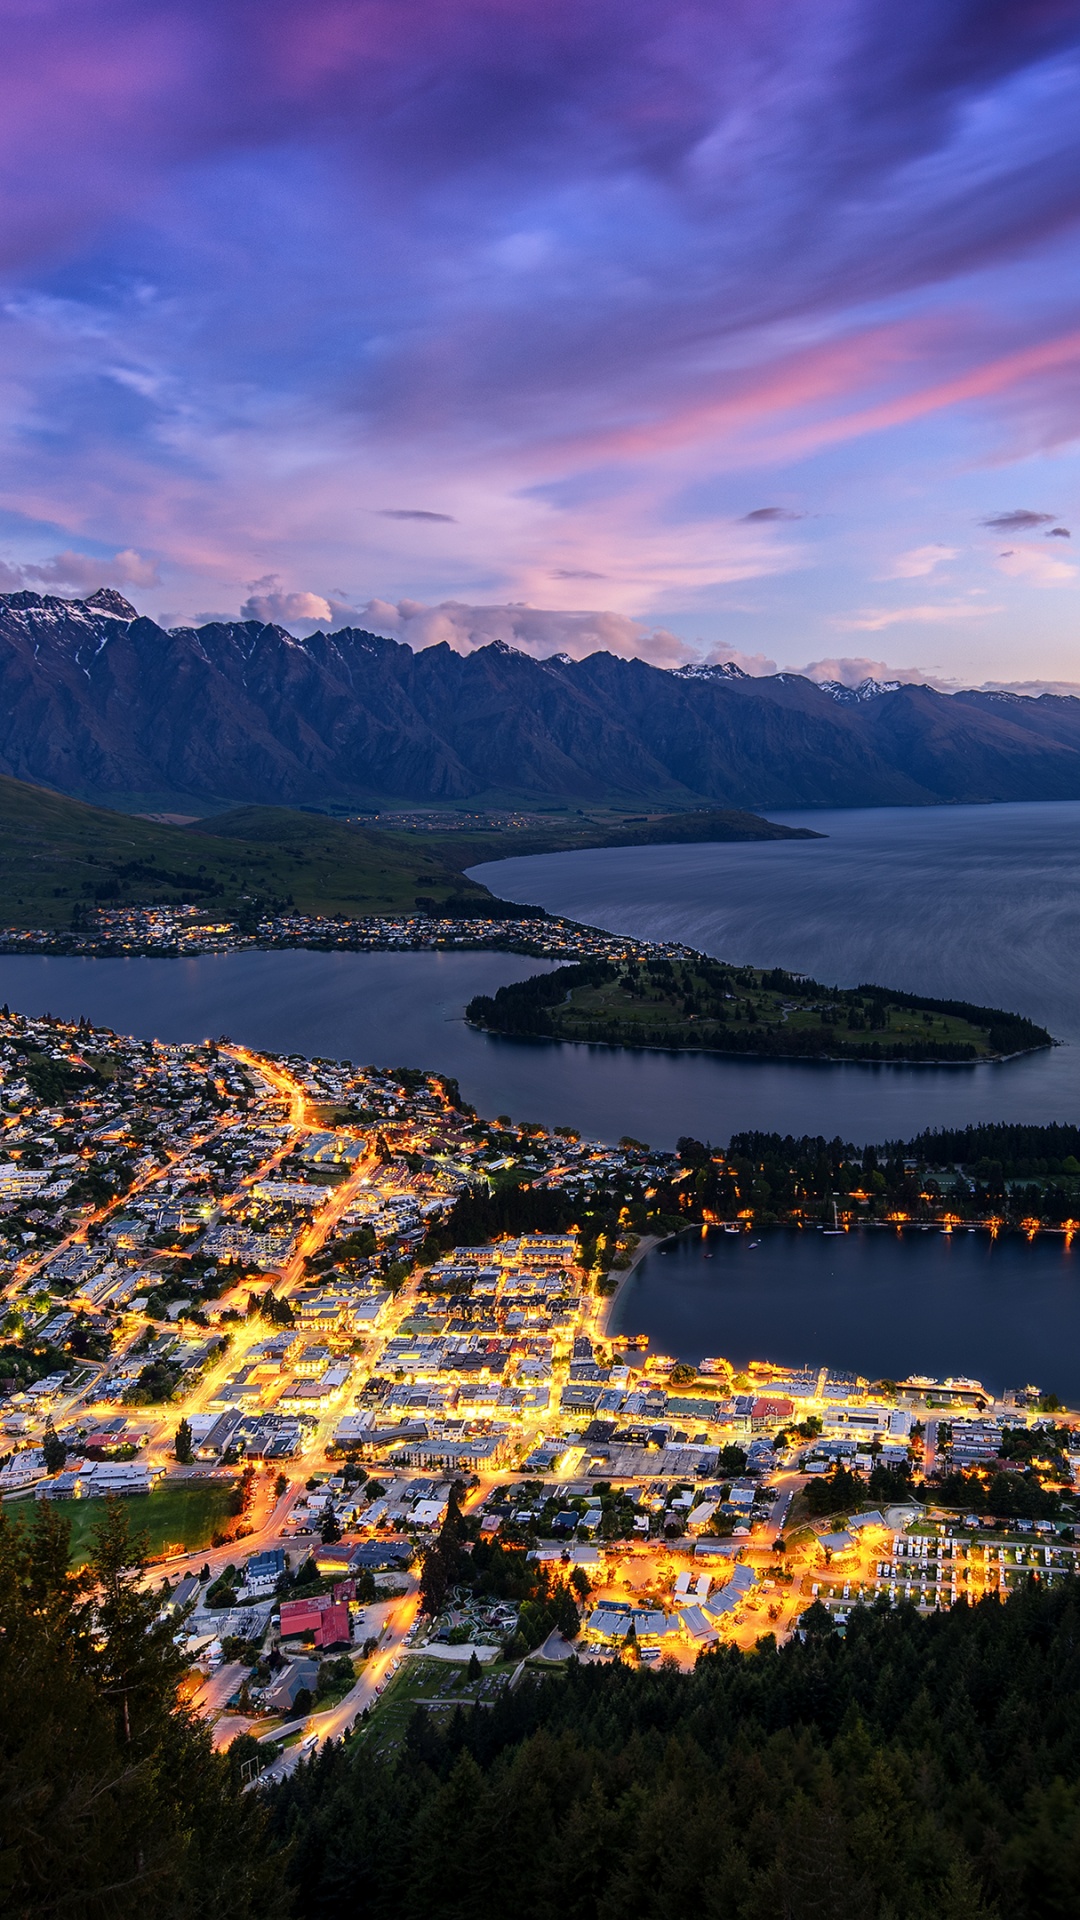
x: 174, y: 930
x: 234, y: 1292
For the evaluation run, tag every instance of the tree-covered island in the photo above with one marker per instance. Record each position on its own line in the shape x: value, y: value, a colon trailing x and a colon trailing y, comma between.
x: 712, y: 1007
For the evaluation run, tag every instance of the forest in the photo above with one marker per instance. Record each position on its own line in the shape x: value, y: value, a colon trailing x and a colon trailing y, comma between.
x: 907, y: 1767
x: 1013, y: 1176
x: 113, y: 1804
x: 916, y: 1767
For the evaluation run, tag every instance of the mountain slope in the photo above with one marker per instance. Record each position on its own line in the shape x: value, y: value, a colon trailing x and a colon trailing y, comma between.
x: 103, y: 704
x: 57, y: 855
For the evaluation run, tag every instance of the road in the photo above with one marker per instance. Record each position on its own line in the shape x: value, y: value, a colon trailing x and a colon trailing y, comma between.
x: 774, y: 1525
x: 318, y: 1728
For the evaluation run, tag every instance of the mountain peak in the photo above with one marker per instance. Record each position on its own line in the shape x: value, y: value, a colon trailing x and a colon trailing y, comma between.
x: 854, y: 696
x: 93, y: 697
x: 721, y: 670
x: 106, y: 600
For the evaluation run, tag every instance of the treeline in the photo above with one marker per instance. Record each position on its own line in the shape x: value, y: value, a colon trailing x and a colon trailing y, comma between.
x: 522, y: 1008
x: 113, y: 1803
x: 918, y: 1766
x: 1013, y: 1173
x: 1020, y: 1151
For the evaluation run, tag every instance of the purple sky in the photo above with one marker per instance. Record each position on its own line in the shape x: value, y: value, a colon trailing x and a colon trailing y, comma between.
x: 715, y: 327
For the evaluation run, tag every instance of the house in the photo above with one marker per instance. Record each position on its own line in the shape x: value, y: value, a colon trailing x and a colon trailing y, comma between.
x: 696, y: 1626
x: 264, y: 1570
x: 610, y: 1624
x: 708, y: 1548
x: 303, y: 1616
x: 838, y: 1546
x: 299, y: 1675
x: 698, y: 1518
x: 340, y: 1558
x: 742, y: 1582
x: 770, y: 1412
x: 183, y: 1594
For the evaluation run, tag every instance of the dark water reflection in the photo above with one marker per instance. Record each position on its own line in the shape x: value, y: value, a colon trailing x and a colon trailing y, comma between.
x: 875, y: 1302
x: 980, y: 902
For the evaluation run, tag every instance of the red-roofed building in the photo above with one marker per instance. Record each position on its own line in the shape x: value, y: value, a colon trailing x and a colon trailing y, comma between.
x: 333, y: 1629
x: 303, y: 1616
x: 770, y: 1413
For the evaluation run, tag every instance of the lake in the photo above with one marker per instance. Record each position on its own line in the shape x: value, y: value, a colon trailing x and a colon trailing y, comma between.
x: 982, y: 902
x: 870, y: 1301
x: 978, y: 902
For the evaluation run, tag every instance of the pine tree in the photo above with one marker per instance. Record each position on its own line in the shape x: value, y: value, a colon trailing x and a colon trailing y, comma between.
x: 183, y: 1448
x: 53, y: 1450
x: 112, y: 1801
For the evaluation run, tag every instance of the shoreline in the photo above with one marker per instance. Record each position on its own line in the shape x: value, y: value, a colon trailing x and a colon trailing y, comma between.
x: 771, y: 1059
x: 645, y: 1245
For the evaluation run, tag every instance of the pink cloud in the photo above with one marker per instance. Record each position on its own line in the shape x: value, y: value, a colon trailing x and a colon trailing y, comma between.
x: 538, y: 631
x: 930, y: 613
x: 82, y: 572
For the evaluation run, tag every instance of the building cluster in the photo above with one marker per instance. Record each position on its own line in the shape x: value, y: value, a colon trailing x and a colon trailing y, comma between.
x: 186, y: 929
x: 198, y: 1232
x: 253, y: 1252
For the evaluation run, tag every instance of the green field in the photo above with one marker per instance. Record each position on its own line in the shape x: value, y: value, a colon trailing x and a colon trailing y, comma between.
x: 59, y: 855
x: 185, y: 1514
x: 574, y: 829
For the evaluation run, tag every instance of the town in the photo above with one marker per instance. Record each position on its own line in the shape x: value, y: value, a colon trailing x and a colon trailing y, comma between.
x: 379, y: 1463
x: 166, y: 930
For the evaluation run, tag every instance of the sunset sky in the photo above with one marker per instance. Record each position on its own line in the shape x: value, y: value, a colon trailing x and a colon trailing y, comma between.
x: 703, y: 329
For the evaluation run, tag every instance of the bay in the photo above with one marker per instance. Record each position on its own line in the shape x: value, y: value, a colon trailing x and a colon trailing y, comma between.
x: 978, y: 903
x: 872, y: 1301
x: 981, y: 902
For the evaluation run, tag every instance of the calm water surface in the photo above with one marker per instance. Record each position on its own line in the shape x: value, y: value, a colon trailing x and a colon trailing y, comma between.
x: 978, y: 902
x: 872, y: 1302
x: 982, y: 902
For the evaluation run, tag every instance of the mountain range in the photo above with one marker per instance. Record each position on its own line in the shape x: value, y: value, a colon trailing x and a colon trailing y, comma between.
x: 99, y: 702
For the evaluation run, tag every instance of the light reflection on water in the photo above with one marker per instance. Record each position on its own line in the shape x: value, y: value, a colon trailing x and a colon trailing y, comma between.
x: 872, y: 1301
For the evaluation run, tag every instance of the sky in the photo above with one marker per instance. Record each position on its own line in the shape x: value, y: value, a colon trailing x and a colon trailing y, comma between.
x: 718, y: 330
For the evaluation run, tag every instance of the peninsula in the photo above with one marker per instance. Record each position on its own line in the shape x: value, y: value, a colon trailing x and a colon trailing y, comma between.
x: 689, y: 1001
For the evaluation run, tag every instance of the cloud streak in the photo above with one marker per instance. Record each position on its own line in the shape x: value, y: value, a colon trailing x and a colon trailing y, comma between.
x: 590, y: 280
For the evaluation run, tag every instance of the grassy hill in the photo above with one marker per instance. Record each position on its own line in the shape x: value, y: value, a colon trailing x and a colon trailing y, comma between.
x: 57, y: 854
x: 706, y: 1006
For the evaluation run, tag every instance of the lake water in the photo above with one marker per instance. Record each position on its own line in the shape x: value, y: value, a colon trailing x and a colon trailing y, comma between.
x: 878, y: 1303
x: 980, y: 903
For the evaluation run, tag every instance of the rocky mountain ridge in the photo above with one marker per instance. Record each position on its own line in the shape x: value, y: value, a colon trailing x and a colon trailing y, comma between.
x: 100, y: 702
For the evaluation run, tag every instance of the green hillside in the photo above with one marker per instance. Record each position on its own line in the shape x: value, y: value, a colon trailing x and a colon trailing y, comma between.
x: 57, y: 855
x: 575, y: 829
x: 708, y: 1006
